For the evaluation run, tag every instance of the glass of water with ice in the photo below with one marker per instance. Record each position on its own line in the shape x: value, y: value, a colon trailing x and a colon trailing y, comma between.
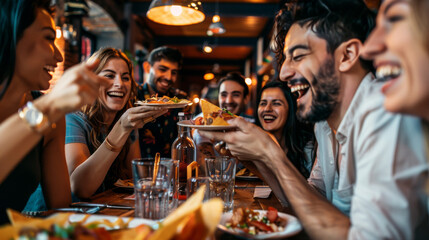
x: 152, y: 197
x: 221, y: 173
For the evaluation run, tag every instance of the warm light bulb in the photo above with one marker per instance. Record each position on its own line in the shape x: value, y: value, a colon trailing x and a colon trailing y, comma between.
x: 266, y: 77
x: 248, y: 81
x: 208, y: 76
x: 176, y: 10
x: 216, y: 18
x: 196, y: 100
x: 207, y: 49
x: 58, y: 32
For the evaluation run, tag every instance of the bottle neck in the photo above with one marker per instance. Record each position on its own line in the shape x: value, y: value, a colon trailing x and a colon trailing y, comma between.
x: 184, y: 131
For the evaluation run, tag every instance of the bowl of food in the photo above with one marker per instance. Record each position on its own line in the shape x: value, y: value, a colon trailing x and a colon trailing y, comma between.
x: 259, y: 224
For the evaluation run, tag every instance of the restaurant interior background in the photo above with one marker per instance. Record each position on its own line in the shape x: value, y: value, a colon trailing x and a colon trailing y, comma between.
x: 239, y: 41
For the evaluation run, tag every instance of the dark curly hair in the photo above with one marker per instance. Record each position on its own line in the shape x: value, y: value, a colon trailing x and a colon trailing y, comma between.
x: 332, y: 20
x: 168, y: 53
x: 238, y: 78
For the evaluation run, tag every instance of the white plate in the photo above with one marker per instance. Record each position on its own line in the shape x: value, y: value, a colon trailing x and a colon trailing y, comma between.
x: 293, y: 226
x: 132, y: 224
x: 187, y: 123
x: 164, y: 105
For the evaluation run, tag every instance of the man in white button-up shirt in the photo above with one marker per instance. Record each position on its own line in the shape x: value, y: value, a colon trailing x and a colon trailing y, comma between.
x: 368, y: 180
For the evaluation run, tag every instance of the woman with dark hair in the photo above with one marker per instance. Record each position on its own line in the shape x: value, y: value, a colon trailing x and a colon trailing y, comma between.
x: 32, y: 150
x: 100, y: 140
x: 276, y: 115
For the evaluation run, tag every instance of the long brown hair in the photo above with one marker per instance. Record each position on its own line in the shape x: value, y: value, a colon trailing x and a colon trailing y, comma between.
x: 94, y: 112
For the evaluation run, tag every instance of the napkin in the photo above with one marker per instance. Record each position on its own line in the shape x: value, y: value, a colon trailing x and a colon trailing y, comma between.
x: 262, y: 192
x: 130, y: 197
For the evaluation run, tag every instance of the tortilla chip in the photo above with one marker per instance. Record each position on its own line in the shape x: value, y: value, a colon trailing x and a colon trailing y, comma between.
x: 209, y: 108
x: 9, y: 232
x: 19, y: 220
x: 171, y: 223
x: 16, y: 217
x: 140, y: 232
x: 210, y: 214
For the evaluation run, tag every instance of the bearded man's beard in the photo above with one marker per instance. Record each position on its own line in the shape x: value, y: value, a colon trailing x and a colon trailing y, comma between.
x: 325, y: 90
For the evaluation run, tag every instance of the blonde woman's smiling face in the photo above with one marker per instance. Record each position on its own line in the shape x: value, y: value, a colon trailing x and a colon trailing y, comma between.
x: 115, y: 96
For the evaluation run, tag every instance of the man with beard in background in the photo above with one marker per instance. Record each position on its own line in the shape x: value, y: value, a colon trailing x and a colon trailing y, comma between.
x: 161, y: 72
x: 233, y: 96
x: 368, y: 180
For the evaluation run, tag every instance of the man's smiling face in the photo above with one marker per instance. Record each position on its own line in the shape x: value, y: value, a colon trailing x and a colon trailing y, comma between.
x: 310, y: 71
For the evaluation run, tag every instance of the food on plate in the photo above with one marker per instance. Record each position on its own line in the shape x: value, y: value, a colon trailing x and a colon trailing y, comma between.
x: 213, y: 115
x: 254, y: 223
x: 192, y: 220
x: 244, y: 172
x: 163, y: 100
x: 59, y: 227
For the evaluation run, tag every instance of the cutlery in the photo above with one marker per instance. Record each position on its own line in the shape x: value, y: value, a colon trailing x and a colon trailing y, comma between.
x: 80, y: 210
x: 101, y: 205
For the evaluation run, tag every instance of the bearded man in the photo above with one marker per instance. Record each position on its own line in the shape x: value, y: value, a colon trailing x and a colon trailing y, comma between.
x: 161, y: 72
x: 367, y: 182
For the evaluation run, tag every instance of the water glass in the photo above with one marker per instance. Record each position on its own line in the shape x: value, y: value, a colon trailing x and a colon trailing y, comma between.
x: 221, y: 173
x: 194, y: 183
x: 152, y: 198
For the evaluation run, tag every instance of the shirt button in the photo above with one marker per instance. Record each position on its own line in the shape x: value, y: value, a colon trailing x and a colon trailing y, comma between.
x: 332, y: 162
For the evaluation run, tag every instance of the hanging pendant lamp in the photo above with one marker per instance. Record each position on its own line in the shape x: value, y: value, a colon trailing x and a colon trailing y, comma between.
x: 176, y: 12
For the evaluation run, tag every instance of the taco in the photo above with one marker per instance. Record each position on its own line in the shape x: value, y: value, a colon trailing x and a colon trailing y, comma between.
x: 214, y: 115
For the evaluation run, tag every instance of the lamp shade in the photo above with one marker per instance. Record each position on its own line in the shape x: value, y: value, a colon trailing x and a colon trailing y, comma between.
x: 176, y: 12
x: 217, y: 28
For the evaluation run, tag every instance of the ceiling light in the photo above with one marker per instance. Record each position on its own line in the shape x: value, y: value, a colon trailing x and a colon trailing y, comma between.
x: 207, y: 49
x: 216, y: 18
x: 208, y: 76
x: 217, y: 28
x: 248, y: 81
x: 176, y: 12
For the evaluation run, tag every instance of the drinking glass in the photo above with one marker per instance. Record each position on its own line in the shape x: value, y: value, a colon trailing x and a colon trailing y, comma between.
x: 194, y: 183
x: 152, y: 198
x: 221, y: 173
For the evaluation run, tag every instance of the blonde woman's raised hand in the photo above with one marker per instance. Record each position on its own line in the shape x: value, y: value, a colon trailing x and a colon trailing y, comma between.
x: 137, y: 117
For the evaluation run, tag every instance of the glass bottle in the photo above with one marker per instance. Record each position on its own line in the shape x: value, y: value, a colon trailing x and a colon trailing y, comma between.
x: 183, y: 150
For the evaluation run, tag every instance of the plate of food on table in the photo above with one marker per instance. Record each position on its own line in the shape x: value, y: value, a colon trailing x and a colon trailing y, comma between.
x: 193, y: 220
x: 259, y: 224
x: 214, y: 118
x: 164, y: 102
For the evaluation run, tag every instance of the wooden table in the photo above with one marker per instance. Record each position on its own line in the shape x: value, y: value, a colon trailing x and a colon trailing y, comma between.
x: 243, y: 197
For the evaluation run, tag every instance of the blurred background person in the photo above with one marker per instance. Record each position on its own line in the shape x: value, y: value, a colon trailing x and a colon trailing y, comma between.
x: 404, y: 70
x: 233, y: 95
x: 32, y: 151
x: 277, y: 115
x: 100, y: 140
x: 161, y: 71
